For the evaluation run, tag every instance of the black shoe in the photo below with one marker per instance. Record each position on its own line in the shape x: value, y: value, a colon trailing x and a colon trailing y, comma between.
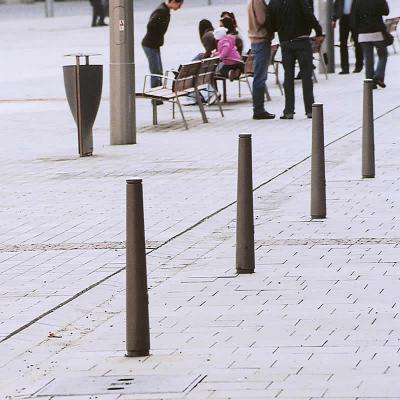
x: 102, y: 23
x: 158, y: 102
x: 264, y: 115
x: 287, y: 116
x: 379, y: 83
x: 309, y: 115
x: 343, y: 72
x: 357, y: 70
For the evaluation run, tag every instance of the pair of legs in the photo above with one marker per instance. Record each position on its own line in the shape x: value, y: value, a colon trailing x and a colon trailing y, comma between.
x: 98, y: 13
x: 377, y: 74
x: 224, y: 70
x: 344, y: 33
x: 301, y: 51
x: 155, y: 65
x: 262, y: 53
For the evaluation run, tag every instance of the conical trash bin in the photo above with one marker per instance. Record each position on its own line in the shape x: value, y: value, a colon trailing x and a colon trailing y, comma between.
x: 83, y: 86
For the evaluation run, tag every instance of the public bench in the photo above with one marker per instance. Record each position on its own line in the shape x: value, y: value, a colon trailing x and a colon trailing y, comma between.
x: 177, y: 84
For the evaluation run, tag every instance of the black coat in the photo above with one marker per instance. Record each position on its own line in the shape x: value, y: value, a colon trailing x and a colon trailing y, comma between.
x: 367, y: 15
x: 293, y: 18
x: 338, y: 8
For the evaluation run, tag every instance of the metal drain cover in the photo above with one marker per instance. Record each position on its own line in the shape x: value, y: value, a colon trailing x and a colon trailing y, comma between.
x: 138, y: 384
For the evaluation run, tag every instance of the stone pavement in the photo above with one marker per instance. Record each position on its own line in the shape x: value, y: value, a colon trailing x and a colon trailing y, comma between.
x: 317, y: 320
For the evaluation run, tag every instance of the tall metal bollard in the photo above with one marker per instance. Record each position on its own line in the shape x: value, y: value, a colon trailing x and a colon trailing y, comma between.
x: 318, y: 183
x: 245, y: 263
x: 368, y: 146
x: 137, y: 302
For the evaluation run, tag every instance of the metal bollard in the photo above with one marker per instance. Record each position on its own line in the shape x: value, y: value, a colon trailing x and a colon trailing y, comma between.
x: 368, y: 146
x: 318, y: 183
x: 137, y: 302
x: 245, y: 263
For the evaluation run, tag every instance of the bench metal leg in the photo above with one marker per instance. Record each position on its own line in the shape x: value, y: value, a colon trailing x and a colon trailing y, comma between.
x: 239, y: 89
x: 155, y: 119
x: 173, y: 110
x: 267, y: 93
x: 181, y: 111
x: 225, y: 100
x: 248, y: 84
x: 201, y: 106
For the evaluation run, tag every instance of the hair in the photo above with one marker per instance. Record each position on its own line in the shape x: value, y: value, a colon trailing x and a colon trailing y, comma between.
x: 176, y: 1
x: 227, y: 22
x: 230, y: 15
x: 205, y: 26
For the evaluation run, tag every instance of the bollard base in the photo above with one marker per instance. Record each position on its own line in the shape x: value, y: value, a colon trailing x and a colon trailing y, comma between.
x: 318, y: 216
x: 245, y: 271
x: 368, y: 176
x: 137, y: 353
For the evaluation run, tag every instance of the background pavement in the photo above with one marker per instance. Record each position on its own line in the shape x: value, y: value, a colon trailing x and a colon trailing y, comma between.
x: 317, y: 320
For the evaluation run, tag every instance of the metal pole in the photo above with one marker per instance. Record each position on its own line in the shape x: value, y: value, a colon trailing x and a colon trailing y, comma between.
x: 49, y: 8
x: 368, y: 145
x: 137, y: 302
x: 122, y: 73
x: 245, y: 259
x: 325, y: 18
x: 318, y: 183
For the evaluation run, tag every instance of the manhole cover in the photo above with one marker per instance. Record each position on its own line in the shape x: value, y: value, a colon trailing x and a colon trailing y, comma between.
x: 140, y: 384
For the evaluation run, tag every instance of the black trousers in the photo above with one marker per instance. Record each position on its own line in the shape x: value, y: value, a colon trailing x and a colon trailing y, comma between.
x: 98, y: 12
x: 344, y: 33
x: 301, y: 51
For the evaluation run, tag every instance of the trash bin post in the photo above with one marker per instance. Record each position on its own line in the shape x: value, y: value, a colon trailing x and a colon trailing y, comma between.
x: 368, y: 141
x: 83, y: 87
x: 137, y: 302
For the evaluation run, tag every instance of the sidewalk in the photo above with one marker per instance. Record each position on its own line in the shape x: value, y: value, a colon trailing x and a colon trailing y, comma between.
x: 317, y: 320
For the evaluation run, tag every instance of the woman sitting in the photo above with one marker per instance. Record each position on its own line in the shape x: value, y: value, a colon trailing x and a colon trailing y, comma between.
x: 230, y: 65
x: 206, y: 33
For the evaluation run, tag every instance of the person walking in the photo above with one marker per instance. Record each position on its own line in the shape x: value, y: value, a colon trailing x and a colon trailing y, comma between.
x: 260, y: 35
x: 154, y: 38
x: 294, y: 20
x: 342, y: 10
x: 368, y: 24
x: 98, y: 13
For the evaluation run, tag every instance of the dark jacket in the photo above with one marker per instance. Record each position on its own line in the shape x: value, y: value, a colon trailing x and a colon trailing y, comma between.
x: 338, y: 9
x: 367, y: 16
x: 157, y: 27
x: 293, y: 18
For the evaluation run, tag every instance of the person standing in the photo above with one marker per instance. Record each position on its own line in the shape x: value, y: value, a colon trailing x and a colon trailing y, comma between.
x: 342, y: 10
x: 294, y: 20
x: 260, y: 35
x: 368, y: 24
x: 154, y: 38
x: 98, y: 12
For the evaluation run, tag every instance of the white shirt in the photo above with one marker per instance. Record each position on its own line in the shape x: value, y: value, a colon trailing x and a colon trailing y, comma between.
x: 347, y: 7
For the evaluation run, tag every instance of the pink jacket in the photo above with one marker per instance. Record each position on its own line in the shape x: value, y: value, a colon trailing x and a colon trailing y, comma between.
x: 227, y: 51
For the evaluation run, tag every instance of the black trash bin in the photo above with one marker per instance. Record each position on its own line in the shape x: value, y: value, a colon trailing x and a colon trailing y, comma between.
x: 83, y: 86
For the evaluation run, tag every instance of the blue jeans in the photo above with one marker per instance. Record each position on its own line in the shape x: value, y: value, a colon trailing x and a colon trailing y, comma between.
x: 155, y: 64
x: 369, y: 60
x: 262, y: 53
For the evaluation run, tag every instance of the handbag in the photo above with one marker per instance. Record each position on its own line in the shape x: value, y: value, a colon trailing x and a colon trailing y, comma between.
x: 388, y: 38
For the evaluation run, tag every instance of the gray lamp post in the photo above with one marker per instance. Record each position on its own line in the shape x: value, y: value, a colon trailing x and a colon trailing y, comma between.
x: 122, y: 73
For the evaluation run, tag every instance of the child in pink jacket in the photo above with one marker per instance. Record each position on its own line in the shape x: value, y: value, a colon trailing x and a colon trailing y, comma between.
x: 231, y: 65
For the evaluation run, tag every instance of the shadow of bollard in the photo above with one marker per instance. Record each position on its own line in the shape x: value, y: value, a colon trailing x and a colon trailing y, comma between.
x: 137, y: 302
x: 318, y: 182
x: 368, y: 145
x: 245, y: 263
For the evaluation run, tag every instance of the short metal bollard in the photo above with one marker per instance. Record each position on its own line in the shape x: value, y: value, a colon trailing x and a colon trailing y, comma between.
x: 368, y: 145
x: 137, y: 302
x: 83, y: 86
x: 318, y: 183
x: 245, y: 259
